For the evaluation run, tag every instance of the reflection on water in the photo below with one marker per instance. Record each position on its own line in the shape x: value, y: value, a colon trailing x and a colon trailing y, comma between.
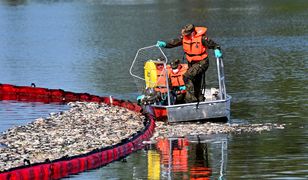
x: 180, y: 159
x: 176, y: 158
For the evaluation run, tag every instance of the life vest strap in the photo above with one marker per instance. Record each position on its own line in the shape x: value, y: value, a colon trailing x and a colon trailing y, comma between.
x: 192, y: 55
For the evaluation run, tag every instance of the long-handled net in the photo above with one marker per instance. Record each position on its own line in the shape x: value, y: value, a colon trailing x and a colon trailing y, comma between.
x: 142, y: 56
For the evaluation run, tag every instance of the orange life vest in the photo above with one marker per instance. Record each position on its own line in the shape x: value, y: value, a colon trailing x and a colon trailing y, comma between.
x: 161, y: 79
x: 177, y: 78
x: 193, y: 47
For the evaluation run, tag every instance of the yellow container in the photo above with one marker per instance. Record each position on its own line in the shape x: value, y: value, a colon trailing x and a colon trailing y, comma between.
x: 150, y: 74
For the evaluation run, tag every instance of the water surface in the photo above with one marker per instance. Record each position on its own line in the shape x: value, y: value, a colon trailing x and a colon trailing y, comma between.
x: 87, y: 46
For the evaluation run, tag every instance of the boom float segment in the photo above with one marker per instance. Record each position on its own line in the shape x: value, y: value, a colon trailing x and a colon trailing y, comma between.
x: 66, y: 166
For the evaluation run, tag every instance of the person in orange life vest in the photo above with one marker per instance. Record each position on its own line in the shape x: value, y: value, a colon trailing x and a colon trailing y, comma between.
x: 195, y: 44
x: 176, y: 81
x: 161, y: 86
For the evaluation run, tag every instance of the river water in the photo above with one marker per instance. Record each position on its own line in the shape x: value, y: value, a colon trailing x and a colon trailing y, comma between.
x: 88, y: 46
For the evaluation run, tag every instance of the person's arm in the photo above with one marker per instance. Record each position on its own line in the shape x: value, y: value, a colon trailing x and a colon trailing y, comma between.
x: 209, y: 43
x: 174, y: 42
x: 171, y: 43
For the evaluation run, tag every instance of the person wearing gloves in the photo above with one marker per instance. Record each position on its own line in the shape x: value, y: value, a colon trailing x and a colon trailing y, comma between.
x: 195, y: 44
x: 175, y: 74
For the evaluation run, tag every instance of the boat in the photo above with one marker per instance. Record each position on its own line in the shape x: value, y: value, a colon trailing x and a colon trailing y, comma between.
x: 148, y: 68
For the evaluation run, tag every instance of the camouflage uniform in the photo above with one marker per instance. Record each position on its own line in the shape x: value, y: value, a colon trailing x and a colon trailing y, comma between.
x: 193, y: 80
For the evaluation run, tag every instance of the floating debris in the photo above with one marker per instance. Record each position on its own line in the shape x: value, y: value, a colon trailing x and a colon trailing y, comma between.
x: 164, y: 130
x: 83, y: 128
x: 88, y: 126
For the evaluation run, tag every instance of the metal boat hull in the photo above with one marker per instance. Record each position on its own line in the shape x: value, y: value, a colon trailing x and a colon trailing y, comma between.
x: 194, y: 112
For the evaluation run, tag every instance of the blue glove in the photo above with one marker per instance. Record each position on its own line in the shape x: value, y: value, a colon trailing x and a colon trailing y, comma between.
x: 218, y: 53
x: 161, y: 44
x: 140, y: 97
x: 182, y: 88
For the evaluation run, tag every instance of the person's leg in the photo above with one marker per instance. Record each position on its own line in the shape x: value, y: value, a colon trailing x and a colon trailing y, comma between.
x: 199, y: 79
x: 197, y: 86
x: 193, y: 80
x: 189, y: 78
x: 180, y: 98
x: 190, y: 93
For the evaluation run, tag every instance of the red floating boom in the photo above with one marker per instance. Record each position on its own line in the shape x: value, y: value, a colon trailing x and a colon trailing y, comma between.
x: 64, y: 167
